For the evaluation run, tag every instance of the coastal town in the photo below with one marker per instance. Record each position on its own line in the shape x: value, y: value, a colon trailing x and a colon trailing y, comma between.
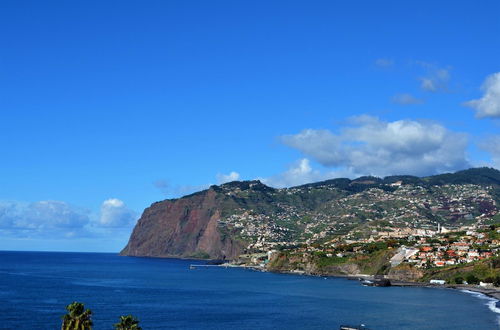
x: 452, y: 248
x: 423, y: 228
x: 408, y: 211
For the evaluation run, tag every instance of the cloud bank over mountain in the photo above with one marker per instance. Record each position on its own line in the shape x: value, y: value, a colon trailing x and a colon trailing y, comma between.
x: 300, y: 172
x: 370, y: 146
x: 223, y: 178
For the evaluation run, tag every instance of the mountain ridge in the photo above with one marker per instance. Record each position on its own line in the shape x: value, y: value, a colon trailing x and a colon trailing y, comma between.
x: 224, y: 221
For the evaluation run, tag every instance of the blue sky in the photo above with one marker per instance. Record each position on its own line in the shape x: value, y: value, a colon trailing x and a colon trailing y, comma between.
x: 108, y: 106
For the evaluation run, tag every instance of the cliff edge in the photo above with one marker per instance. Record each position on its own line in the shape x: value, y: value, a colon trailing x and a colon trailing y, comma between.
x: 185, y: 228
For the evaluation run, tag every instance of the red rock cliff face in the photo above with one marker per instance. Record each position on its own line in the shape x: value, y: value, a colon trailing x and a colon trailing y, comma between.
x: 185, y: 227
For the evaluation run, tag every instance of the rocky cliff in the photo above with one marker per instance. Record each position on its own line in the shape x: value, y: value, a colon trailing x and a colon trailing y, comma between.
x: 185, y: 227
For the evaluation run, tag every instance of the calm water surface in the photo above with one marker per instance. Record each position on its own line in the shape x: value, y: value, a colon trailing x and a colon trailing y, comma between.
x: 165, y: 294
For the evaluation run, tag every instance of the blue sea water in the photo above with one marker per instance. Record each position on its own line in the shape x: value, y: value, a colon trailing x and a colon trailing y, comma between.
x: 165, y: 294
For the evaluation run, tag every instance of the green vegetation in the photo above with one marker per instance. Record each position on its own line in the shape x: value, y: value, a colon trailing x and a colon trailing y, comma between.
x: 376, y: 246
x: 371, y: 258
x: 128, y: 322
x: 487, y: 271
x: 200, y: 255
x: 472, y: 279
x: 482, y: 175
x: 376, y: 263
x: 323, y: 261
x: 493, y: 234
x: 77, y: 318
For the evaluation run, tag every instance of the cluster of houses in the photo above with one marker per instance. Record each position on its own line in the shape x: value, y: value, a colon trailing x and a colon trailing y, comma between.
x: 374, y: 215
x: 441, y: 252
x: 255, y: 227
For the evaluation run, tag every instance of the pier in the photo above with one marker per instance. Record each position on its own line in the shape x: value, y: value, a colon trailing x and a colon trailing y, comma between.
x: 200, y: 266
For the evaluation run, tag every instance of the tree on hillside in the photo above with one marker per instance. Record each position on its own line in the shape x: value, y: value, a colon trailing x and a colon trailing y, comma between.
x: 128, y: 322
x: 472, y: 279
x: 77, y: 318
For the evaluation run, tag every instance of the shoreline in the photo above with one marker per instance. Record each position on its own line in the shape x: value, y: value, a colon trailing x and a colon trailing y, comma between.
x: 490, y: 292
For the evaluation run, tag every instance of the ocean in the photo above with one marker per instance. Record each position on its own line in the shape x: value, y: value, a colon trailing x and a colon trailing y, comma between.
x: 35, y: 287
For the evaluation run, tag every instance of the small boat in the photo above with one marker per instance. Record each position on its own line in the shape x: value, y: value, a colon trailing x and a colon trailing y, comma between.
x: 367, y: 283
x: 376, y: 282
x: 353, y: 327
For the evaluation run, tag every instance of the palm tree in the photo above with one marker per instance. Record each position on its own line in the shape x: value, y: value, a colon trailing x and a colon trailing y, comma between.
x: 77, y: 318
x: 128, y: 322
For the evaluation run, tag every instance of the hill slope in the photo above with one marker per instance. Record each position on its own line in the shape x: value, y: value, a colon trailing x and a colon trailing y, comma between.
x: 225, y: 221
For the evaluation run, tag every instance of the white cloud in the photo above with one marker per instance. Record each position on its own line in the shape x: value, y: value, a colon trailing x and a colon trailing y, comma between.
x: 41, y: 218
x: 301, y: 172
x: 114, y: 213
x: 374, y: 147
x: 63, y: 226
x: 322, y: 145
x: 406, y: 99
x: 488, y: 106
x: 436, y: 79
x: 298, y: 173
x: 492, y: 146
x: 384, y: 62
x: 223, y: 178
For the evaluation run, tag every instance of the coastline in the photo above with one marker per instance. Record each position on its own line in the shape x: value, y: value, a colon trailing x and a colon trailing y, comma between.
x: 490, y: 292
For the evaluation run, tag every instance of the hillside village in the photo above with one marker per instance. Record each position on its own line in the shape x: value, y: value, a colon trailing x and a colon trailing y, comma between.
x: 424, y: 227
x: 457, y: 248
x: 372, y: 215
